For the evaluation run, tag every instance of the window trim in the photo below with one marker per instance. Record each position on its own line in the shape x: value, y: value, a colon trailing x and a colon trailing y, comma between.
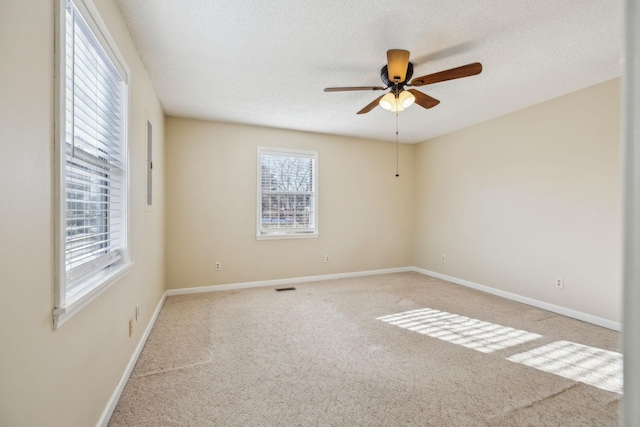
x: 285, y: 234
x: 65, y: 309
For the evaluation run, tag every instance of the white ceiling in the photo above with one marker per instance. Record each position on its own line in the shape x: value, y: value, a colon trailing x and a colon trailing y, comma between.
x: 266, y: 62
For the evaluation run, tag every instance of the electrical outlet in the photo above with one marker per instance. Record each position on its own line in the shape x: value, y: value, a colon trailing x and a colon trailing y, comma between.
x: 137, y: 312
x: 218, y: 266
x: 559, y: 283
x: 443, y: 258
x: 326, y: 258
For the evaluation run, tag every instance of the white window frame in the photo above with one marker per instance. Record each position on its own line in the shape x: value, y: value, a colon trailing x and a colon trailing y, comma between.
x: 267, y: 234
x: 86, y: 289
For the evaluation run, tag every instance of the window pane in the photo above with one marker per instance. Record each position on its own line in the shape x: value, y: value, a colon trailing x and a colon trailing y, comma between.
x: 95, y: 154
x: 287, y: 187
x: 280, y: 173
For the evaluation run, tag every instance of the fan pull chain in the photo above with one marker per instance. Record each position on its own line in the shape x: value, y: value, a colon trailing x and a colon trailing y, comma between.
x: 397, y: 174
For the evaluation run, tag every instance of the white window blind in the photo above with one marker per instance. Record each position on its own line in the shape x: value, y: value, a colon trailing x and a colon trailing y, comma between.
x: 287, y: 193
x: 92, y: 196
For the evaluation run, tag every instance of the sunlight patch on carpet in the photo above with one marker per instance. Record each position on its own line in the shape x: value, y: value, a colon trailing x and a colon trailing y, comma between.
x: 471, y: 333
x: 590, y: 365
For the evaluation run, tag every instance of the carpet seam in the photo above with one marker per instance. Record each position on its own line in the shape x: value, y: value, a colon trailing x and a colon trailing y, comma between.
x: 175, y: 368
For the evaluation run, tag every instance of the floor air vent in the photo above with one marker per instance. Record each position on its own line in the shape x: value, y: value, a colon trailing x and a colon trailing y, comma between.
x: 285, y: 289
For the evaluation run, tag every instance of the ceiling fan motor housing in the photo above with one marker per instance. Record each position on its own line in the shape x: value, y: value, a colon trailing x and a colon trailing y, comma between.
x: 384, y: 75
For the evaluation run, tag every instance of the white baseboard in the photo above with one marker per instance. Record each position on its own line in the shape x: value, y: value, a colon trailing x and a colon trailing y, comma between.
x: 263, y: 283
x: 616, y: 326
x: 111, y: 405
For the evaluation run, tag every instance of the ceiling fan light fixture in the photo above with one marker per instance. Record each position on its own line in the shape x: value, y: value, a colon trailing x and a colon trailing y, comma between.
x: 406, y: 98
x: 388, y: 101
x: 395, y: 103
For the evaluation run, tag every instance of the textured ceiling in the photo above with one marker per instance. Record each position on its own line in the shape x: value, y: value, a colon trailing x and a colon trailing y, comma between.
x: 267, y: 62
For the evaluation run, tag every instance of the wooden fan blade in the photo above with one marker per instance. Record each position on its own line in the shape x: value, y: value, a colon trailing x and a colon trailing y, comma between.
x: 454, y: 73
x: 425, y: 101
x: 343, y: 89
x: 397, y: 63
x: 371, y: 106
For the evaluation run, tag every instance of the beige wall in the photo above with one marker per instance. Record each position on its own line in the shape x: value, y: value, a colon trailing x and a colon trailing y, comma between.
x: 365, y: 212
x: 517, y: 201
x: 64, y: 377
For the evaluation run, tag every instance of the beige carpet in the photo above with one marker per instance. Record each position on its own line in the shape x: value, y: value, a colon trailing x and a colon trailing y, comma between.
x: 332, y: 354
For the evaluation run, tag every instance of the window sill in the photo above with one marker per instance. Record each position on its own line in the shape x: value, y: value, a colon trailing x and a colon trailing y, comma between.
x: 286, y: 236
x: 62, y: 314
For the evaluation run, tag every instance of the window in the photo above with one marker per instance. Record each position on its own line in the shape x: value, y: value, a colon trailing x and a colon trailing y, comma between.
x: 287, y: 193
x: 91, y: 154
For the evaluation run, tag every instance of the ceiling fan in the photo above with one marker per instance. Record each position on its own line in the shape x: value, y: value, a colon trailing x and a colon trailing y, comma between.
x: 396, y: 75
